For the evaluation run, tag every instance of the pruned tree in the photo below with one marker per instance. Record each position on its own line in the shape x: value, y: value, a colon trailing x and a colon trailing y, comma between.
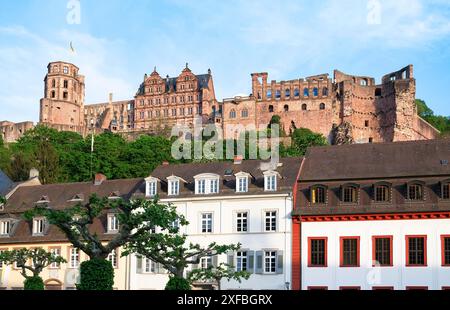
x: 217, y: 273
x: 31, y: 260
x: 136, y: 219
x: 170, y: 249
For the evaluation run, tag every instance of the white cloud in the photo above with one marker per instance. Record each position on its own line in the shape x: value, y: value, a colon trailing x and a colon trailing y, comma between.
x: 25, y: 55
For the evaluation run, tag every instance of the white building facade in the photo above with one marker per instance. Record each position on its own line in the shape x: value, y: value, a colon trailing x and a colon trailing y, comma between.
x: 426, y: 241
x: 229, y: 204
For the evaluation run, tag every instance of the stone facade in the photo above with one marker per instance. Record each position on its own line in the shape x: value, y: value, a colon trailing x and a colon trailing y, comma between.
x: 11, y: 132
x: 345, y: 108
x: 356, y: 105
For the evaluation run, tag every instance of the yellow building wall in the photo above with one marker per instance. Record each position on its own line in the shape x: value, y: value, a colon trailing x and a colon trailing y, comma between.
x: 63, y: 277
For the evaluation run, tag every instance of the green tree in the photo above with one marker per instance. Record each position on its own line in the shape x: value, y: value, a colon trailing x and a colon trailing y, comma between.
x: 302, y: 138
x: 31, y: 260
x: 5, y: 155
x: 441, y: 123
x: 223, y: 271
x: 136, y: 219
x: 168, y: 247
x: 47, y: 162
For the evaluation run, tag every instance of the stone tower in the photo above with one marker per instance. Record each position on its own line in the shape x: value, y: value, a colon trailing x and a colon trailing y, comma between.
x: 63, y: 103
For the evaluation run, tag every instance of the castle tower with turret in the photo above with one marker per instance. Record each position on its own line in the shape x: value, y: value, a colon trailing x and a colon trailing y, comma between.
x: 63, y: 103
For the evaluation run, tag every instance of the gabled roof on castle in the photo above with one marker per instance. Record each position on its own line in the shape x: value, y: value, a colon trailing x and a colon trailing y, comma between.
x: 171, y: 83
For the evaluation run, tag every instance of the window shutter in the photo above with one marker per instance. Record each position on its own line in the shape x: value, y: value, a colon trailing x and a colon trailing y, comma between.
x: 215, y: 261
x: 259, y: 262
x: 230, y: 260
x: 280, y: 262
x: 138, y: 264
x: 250, y: 261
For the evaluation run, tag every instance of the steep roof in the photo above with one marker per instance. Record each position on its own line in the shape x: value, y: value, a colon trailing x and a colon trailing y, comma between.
x: 5, y: 184
x: 171, y: 83
x: 382, y: 160
x: 59, y: 195
x: 287, y: 169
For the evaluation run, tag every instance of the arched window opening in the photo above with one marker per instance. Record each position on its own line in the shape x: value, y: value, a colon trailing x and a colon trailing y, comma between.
x: 306, y: 92
x: 315, y: 92
x: 304, y: 107
x: 322, y: 106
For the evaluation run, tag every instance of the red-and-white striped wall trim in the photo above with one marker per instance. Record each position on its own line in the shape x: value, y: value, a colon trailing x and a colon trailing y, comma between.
x: 375, y: 217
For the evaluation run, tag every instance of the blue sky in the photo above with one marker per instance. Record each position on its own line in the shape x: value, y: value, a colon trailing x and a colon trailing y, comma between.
x: 118, y: 41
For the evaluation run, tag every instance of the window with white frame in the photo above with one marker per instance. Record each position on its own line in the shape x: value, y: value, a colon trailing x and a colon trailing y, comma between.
x: 207, y: 184
x: 206, y: 262
x: 112, y: 257
x: 270, y: 262
x: 74, y: 258
x: 149, y: 266
x: 242, y: 221
x: 271, y: 221
x: 174, y: 187
x: 214, y: 186
x: 113, y: 223
x: 38, y: 226
x: 270, y: 181
x: 201, y: 187
x: 242, y: 184
x: 5, y: 228
x: 55, y: 252
x: 207, y: 222
x: 241, y: 261
x: 151, y: 188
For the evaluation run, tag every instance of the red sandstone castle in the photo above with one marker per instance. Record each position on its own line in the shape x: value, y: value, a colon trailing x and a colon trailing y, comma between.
x: 345, y: 109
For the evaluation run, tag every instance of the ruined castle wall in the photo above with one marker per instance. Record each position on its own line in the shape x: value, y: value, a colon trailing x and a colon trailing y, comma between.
x: 11, y: 132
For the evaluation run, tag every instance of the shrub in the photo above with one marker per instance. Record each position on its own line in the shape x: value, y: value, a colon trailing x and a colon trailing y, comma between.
x: 96, y: 274
x: 178, y: 284
x: 34, y: 284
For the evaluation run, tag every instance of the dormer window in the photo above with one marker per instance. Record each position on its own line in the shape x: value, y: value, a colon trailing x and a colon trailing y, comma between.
x: 382, y: 193
x: 113, y: 223
x: 174, y: 186
x: 445, y: 190
x: 349, y: 194
x: 318, y: 195
x: 5, y: 227
x: 415, y: 191
x: 114, y: 195
x: 77, y: 198
x: 242, y: 182
x: 151, y: 187
x: 43, y: 199
x: 270, y: 181
x: 207, y: 184
x: 38, y: 226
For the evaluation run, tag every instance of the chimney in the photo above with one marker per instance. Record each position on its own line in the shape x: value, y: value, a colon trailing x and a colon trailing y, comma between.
x: 238, y: 159
x: 34, y: 173
x: 99, y: 179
